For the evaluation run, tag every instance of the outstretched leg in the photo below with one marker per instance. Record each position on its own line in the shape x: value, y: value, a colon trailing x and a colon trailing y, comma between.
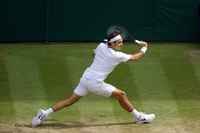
x: 41, y: 115
x: 67, y: 102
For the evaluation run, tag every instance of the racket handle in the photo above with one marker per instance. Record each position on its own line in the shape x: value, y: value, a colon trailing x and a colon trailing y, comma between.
x: 137, y: 41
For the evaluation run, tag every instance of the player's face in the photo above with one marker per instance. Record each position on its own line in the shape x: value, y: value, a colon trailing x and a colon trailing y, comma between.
x: 118, y: 44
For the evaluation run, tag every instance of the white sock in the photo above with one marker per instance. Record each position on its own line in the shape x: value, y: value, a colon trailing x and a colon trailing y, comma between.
x: 135, y: 113
x: 49, y: 111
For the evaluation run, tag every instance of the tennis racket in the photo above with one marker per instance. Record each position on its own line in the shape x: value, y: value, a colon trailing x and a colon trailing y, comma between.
x: 123, y: 32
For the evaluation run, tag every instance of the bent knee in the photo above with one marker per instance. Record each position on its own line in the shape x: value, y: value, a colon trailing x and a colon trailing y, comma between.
x: 119, y: 95
x: 122, y: 95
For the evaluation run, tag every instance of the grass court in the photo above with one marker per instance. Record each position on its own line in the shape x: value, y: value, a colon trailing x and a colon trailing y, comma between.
x: 165, y: 81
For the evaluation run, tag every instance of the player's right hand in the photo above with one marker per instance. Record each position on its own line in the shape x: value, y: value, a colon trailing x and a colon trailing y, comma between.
x: 143, y: 44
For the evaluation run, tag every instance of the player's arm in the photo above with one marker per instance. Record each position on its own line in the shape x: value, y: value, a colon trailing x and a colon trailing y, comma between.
x: 137, y: 56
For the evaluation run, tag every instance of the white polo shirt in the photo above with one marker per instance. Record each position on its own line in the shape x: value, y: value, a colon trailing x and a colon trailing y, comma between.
x: 106, y: 59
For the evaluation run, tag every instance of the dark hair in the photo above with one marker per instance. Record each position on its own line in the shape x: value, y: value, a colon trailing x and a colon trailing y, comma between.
x: 112, y: 35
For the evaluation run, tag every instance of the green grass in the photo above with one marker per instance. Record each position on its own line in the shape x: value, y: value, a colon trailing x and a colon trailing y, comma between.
x: 165, y: 81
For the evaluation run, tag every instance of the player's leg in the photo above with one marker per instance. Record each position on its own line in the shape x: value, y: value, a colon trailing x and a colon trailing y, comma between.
x: 67, y: 102
x: 123, y: 100
x: 126, y: 104
x: 108, y: 90
x: 80, y: 91
x: 42, y: 115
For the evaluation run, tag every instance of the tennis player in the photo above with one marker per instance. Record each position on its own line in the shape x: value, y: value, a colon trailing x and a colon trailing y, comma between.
x: 106, y: 58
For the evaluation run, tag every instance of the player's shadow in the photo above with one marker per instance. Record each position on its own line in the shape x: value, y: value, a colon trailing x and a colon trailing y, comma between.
x: 80, y: 125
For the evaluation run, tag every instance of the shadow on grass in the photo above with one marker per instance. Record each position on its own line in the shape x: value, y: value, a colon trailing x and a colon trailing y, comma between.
x: 81, y: 125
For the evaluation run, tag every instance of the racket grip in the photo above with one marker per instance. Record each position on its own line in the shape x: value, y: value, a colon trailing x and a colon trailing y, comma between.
x: 137, y: 41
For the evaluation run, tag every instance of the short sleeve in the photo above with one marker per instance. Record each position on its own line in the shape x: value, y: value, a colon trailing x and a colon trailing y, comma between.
x: 122, y: 57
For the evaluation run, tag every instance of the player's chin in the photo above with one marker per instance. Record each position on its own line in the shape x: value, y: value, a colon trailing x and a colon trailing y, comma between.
x: 119, y: 48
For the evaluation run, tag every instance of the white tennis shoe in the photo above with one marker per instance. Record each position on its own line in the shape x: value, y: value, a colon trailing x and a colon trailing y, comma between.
x: 39, y: 118
x: 144, y: 118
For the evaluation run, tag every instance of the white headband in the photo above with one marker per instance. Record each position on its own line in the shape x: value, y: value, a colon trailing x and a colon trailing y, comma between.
x: 115, y: 38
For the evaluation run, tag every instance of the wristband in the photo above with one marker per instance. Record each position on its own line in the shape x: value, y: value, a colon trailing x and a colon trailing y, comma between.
x: 143, y: 49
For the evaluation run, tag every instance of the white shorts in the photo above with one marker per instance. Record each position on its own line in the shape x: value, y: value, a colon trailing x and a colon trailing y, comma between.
x: 100, y: 88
